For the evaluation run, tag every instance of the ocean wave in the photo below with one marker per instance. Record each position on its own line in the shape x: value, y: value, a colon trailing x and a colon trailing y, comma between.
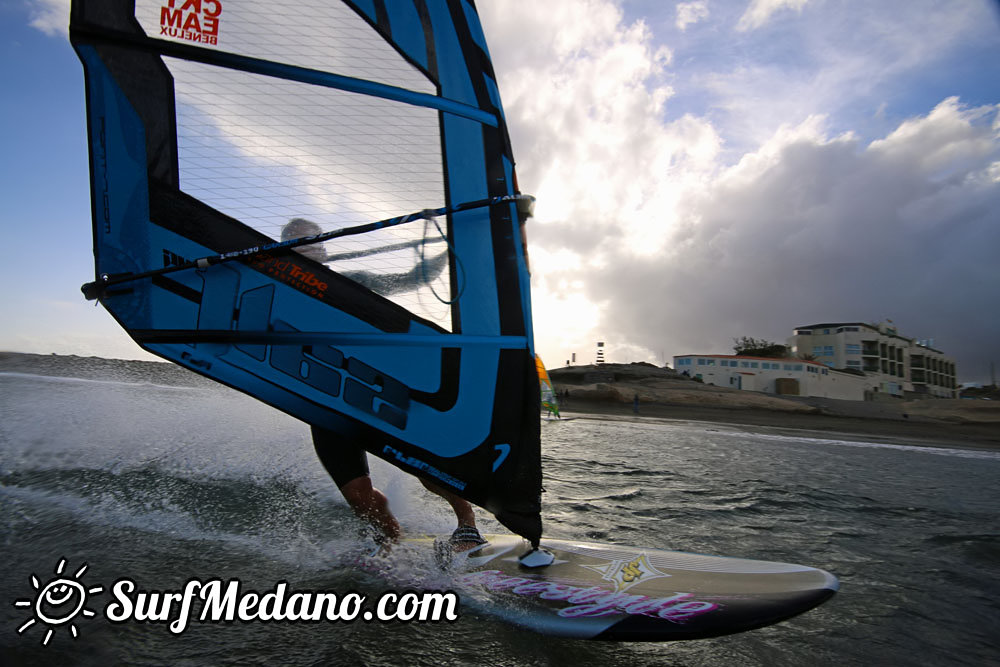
x: 923, y: 449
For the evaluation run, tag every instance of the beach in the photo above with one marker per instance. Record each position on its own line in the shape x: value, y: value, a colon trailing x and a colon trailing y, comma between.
x: 663, y: 394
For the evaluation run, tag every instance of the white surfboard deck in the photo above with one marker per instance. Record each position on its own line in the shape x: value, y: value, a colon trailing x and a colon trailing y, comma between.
x: 605, y: 591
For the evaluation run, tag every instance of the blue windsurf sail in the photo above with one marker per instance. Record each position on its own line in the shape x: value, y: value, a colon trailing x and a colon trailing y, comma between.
x: 316, y: 204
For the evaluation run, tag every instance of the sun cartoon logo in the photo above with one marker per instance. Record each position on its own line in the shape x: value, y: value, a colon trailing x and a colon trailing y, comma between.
x: 58, y: 602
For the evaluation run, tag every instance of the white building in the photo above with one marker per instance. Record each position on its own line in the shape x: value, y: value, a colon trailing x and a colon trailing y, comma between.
x: 893, y: 364
x: 791, y: 377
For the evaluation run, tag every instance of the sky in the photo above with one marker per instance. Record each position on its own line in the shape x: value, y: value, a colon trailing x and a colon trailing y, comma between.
x: 704, y: 170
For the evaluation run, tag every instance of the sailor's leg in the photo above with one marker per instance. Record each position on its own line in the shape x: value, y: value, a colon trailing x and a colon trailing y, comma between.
x: 371, y: 505
x: 466, y: 536
x: 347, y: 464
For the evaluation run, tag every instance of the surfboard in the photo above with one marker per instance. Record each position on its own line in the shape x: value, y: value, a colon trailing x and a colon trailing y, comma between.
x: 612, y: 592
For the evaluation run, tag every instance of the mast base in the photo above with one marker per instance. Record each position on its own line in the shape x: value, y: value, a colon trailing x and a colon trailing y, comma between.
x: 537, y: 557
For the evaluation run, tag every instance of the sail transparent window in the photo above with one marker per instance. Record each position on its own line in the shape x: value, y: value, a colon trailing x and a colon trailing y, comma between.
x: 265, y: 150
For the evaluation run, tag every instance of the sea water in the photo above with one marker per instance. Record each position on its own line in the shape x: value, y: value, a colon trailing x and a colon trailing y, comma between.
x: 162, y: 484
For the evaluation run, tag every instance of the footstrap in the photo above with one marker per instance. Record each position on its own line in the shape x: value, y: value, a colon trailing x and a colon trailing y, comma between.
x: 467, y: 534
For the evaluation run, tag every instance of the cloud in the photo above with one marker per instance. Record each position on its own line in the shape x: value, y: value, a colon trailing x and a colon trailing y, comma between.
x: 585, y: 114
x: 812, y: 227
x: 689, y: 13
x: 829, y: 61
x: 654, y: 235
x: 50, y: 16
x: 585, y: 111
x: 760, y: 11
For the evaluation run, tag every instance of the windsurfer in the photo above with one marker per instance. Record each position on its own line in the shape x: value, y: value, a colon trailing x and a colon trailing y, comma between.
x: 347, y: 463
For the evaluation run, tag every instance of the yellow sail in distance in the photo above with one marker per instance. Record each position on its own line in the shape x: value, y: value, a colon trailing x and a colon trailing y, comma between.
x: 548, y: 392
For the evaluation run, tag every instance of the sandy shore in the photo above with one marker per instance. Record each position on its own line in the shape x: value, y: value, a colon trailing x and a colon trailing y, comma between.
x: 665, y: 395
x: 970, y: 436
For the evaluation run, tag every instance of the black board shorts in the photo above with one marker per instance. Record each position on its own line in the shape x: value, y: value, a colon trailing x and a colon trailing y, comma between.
x: 342, y: 460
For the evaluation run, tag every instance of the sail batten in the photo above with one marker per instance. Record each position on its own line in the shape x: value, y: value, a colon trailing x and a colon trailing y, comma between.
x: 379, y: 339
x: 239, y: 156
x: 284, y: 71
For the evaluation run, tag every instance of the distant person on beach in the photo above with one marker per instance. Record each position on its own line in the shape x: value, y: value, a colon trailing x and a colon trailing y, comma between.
x: 347, y: 463
x: 635, y: 404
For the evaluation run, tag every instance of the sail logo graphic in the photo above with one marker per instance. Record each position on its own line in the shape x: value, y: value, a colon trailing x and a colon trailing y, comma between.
x: 625, y: 573
x: 58, y: 602
x: 192, y: 20
x: 290, y: 273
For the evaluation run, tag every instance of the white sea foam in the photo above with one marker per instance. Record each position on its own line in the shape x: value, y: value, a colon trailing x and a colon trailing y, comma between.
x: 922, y: 449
